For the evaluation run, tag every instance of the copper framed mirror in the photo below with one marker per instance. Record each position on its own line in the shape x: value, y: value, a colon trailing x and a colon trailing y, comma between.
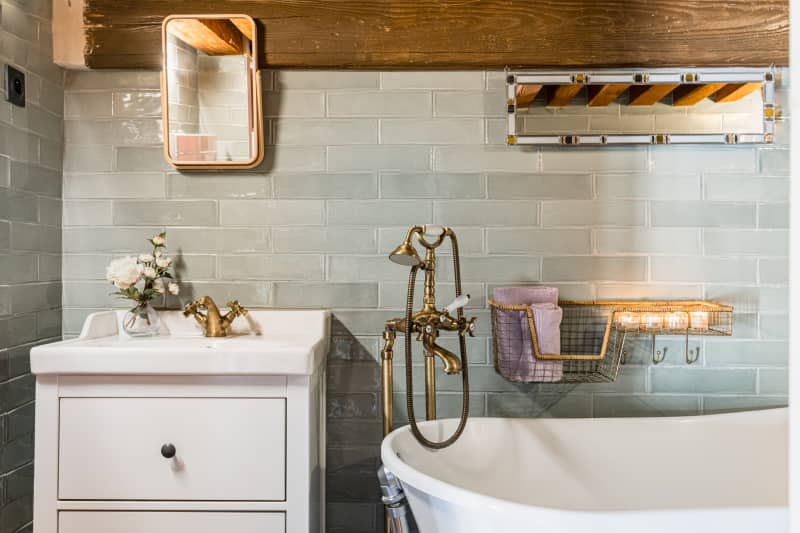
x: 211, y: 92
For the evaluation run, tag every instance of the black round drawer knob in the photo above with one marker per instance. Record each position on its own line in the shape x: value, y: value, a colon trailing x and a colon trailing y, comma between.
x: 168, y: 451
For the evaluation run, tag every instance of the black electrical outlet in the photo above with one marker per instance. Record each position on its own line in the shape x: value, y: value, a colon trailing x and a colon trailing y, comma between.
x: 15, y: 85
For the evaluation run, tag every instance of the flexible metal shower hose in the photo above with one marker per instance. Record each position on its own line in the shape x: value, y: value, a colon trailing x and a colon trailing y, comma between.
x: 462, y: 344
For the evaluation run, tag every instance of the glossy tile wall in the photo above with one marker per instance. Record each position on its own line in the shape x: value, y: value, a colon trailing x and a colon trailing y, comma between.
x: 30, y: 241
x: 357, y: 157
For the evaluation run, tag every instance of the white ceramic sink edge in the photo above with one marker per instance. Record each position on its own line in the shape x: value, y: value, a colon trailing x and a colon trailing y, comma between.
x: 266, y: 342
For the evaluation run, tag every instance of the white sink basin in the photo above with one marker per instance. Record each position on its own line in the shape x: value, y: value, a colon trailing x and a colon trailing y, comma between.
x: 266, y: 342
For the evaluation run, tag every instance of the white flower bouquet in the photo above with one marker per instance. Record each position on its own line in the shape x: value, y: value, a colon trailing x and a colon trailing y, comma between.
x: 142, y: 279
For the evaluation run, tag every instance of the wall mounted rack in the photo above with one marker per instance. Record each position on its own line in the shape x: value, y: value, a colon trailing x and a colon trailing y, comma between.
x: 594, y: 333
x: 534, y: 94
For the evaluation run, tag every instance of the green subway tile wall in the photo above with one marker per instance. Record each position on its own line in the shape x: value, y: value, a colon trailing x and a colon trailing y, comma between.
x: 30, y: 241
x: 356, y: 157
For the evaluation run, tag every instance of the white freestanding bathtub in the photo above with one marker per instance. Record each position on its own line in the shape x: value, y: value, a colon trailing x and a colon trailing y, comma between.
x: 699, y: 474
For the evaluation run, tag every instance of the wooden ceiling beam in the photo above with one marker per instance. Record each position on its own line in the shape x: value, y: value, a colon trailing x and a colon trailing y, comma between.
x: 735, y: 91
x: 561, y: 95
x: 527, y: 94
x: 414, y: 34
x: 602, y: 95
x: 212, y: 37
x: 244, y: 26
x: 649, y: 94
x: 690, y: 94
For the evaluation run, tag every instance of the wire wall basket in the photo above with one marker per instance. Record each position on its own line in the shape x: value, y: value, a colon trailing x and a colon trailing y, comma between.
x: 592, y: 336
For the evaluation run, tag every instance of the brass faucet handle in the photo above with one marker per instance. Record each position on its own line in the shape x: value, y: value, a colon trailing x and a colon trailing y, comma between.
x: 190, y: 308
x: 471, y: 326
x: 237, y: 308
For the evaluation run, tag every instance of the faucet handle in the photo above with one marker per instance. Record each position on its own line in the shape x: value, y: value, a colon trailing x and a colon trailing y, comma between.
x: 190, y: 308
x: 459, y: 302
x: 237, y: 308
x: 432, y: 232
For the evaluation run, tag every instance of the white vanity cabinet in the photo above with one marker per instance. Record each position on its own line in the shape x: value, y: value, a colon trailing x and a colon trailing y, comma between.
x: 180, y: 433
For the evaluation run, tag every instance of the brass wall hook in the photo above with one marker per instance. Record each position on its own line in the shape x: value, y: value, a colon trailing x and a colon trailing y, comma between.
x: 658, y: 355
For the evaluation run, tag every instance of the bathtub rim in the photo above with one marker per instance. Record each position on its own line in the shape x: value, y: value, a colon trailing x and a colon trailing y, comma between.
x: 463, y: 497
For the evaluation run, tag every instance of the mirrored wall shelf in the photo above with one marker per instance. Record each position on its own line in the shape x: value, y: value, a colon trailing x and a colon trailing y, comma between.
x: 641, y: 106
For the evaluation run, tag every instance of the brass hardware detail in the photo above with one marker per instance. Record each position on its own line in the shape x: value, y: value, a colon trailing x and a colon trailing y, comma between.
x: 511, y: 140
x: 426, y: 324
x: 213, y: 323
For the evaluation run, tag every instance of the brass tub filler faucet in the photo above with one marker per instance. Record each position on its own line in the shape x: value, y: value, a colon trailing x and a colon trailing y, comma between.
x: 213, y: 323
x: 426, y: 324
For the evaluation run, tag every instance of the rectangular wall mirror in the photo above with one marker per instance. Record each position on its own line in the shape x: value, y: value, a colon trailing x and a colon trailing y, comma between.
x: 657, y: 106
x: 211, y: 92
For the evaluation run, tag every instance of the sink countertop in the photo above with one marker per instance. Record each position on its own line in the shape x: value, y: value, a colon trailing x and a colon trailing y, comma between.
x: 265, y: 342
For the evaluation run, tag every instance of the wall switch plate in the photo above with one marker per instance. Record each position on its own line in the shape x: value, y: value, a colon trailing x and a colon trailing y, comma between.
x: 14, y: 85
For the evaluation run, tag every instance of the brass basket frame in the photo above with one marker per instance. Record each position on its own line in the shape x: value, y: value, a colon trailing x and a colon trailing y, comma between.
x: 535, y: 337
x: 602, y: 365
x: 715, y: 328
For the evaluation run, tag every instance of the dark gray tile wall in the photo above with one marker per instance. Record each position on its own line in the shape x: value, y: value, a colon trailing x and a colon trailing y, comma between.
x: 356, y: 157
x: 30, y: 241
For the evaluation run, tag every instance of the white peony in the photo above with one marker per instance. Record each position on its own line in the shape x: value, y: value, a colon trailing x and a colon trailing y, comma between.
x: 158, y: 240
x: 123, y: 272
x: 158, y: 286
x: 150, y: 272
x: 158, y: 253
x: 146, y: 258
x: 163, y: 262
x: 174, y: 289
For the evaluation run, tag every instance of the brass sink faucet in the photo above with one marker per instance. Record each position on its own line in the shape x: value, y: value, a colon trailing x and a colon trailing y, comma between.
x: 213, y: 324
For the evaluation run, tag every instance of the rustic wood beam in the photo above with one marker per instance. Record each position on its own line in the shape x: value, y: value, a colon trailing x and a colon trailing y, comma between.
x: 649, y: 94
x: 244, y: 26
x: 735, y: 91
x: 602, y: 95
x: 561, y: 95
x: 690, y: 94
x: 212, y: 37
x: 527, y: 94
x: 420, y: 34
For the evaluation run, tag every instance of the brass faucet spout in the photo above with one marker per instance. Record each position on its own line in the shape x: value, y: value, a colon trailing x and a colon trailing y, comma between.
x: 452, y: 364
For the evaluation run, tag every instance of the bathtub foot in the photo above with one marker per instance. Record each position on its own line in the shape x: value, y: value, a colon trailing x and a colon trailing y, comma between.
x: 398, y: 514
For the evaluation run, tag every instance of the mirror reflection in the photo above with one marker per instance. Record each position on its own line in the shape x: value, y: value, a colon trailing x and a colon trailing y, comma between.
x: 619, y: 115
x: 212, y: 101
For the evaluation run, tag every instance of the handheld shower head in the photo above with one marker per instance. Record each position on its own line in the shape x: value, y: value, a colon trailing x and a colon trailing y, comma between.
x: 405, y: 255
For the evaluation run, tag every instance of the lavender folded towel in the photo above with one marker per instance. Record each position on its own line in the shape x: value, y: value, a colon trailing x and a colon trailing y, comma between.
x: 525, y: 295
x: 515, y: 358
x: 547, y: 319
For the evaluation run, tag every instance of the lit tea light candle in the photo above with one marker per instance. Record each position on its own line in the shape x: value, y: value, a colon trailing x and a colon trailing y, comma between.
x: 627, y: 321
x: 652, y: 321
x: 677, y: 320
x: 699, y: 320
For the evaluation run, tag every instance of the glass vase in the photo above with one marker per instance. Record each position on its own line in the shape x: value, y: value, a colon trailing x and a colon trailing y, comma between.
x: 142, y: 321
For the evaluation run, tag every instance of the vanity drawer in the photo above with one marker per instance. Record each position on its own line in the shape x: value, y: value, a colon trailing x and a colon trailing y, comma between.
x: 225, y: 449
x: 169, y: 522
